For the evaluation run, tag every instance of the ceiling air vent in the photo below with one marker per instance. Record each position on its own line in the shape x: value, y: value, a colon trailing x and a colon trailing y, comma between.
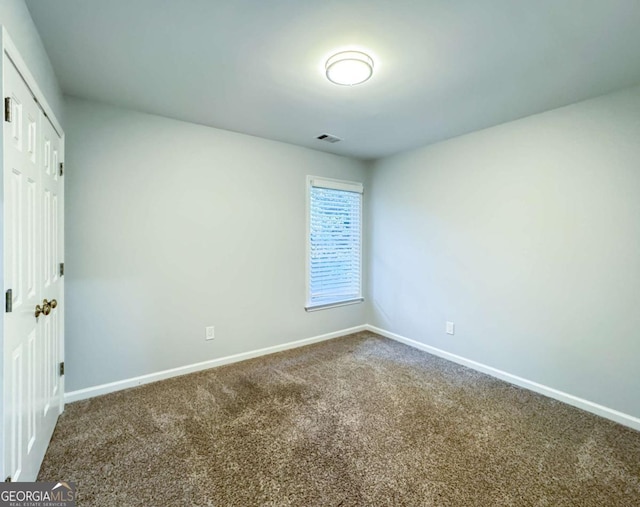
x: 328, y: 138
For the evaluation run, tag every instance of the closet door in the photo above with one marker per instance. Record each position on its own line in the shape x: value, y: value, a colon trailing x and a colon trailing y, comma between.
x: 51, y: 223
x: 32, y: 232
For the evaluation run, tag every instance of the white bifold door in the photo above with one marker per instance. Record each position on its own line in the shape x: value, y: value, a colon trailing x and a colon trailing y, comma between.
x: 33, y: 251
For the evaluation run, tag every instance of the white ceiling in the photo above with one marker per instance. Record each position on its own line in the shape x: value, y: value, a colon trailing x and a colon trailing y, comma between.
x: 443, y: 67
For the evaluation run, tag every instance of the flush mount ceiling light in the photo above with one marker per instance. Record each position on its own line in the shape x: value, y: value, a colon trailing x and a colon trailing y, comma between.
x: 349, y: 68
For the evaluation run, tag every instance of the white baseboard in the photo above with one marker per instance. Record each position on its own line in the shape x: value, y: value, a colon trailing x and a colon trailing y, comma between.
x: 570, y: 399
x: 589, y: 406
x: 119, y: 385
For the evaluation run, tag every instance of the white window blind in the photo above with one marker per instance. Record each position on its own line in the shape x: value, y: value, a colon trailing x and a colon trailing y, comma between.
x: 335, y: 237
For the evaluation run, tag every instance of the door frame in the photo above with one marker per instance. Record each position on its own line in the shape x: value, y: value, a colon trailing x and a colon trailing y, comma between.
x: 9, y: 49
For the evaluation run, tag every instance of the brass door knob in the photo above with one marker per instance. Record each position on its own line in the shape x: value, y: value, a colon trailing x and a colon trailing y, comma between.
x: 46, y: 307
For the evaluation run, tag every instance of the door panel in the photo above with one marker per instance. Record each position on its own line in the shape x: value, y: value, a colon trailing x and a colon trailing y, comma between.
x: 52, y: 290
x: 17, y: 448
x: 46, y: 231
x: 31, y: 220
x: 32, y: 238
x: 32, y: 380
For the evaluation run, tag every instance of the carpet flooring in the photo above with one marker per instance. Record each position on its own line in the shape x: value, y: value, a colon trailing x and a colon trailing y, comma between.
x: 355, y: 421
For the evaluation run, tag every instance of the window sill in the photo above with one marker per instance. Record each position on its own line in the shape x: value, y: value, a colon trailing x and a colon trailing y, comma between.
x: 326, y: 306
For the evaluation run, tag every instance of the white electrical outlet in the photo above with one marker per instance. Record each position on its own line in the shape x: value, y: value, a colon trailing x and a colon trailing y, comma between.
x: 450, y: 328
x: 210, y: 333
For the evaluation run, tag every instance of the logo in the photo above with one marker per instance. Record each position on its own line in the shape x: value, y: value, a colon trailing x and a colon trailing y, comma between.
x: 37, y: 494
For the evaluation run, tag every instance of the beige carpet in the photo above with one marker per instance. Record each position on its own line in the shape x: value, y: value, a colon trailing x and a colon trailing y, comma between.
x: 359, y: 420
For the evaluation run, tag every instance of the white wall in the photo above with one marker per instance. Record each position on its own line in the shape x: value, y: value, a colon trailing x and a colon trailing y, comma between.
x: 527, y: 236
x: 15, y: 17
x: 172, y: 227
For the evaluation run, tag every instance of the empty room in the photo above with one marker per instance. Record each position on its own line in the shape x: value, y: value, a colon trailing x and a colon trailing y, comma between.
x: 338, y: 253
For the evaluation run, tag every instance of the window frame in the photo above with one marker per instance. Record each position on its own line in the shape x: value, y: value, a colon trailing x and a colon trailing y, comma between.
x: 335, y: 185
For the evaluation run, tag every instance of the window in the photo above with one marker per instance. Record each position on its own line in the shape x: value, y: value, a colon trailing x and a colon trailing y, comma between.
x: 334, y: 275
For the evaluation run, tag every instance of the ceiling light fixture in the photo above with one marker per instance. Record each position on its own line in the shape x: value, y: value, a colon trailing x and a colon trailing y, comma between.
x: 349, y: 68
